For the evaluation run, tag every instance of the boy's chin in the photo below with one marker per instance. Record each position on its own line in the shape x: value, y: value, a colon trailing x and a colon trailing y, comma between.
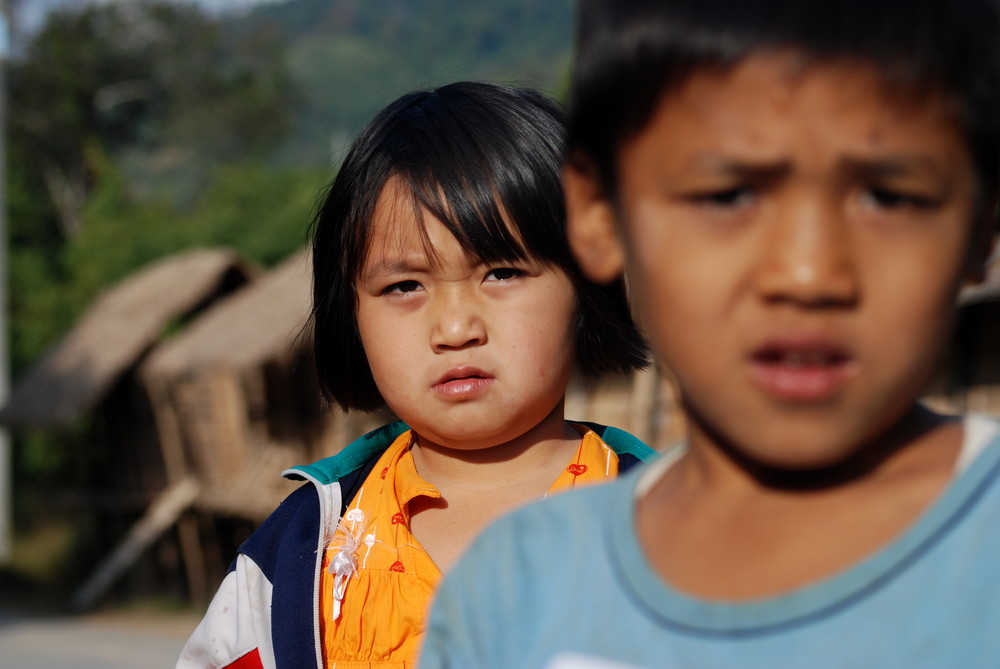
x: 818, y: 456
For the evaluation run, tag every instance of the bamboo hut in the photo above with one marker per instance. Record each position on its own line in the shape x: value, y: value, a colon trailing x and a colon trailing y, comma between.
x: 91, y: 367
x: 122, y: 324
x: 236, y: 400
x: 92, y: 370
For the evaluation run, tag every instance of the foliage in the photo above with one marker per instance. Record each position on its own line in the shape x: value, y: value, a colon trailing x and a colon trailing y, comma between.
x: 261, y: 212
x: 351, y: 57
x: 122, y: 117
x: 153, y: 80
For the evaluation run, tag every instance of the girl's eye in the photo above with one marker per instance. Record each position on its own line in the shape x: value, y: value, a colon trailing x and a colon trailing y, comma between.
x: 504, y: 274
x: 888, y: 198
x: 402, y: 287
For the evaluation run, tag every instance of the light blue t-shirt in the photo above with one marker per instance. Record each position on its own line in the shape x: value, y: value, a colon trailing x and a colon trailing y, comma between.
x: 564, y: 584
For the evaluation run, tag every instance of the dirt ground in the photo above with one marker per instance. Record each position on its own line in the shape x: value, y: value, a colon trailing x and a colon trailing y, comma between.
x: 120, y: 640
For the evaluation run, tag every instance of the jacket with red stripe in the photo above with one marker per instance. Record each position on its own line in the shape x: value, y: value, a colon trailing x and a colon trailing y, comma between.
x: 266, y: 612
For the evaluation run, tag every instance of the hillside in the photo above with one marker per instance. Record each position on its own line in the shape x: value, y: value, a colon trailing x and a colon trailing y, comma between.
x: 350, y: 57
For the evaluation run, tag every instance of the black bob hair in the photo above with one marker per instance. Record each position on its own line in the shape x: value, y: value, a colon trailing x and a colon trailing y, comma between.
x: 630, y: 53
x: 466, y: 152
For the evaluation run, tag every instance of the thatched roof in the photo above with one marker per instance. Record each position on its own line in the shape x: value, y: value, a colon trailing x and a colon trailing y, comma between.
x: 121, y: 325
x: 258, y: 323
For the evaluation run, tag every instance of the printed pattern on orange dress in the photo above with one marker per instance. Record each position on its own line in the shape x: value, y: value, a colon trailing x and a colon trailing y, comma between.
x: 377, y: 580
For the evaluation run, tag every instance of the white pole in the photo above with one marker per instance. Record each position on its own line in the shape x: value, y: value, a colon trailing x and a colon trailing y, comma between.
x: 6, y: 524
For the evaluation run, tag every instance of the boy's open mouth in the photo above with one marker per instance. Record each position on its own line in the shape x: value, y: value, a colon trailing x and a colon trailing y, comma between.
x: 802, y: 372
x: 796, y: 358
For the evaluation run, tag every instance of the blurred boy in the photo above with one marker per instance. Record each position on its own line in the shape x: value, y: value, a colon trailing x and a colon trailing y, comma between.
x: 797, y: 191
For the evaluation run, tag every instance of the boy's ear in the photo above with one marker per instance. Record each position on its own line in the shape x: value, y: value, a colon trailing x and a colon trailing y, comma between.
x: 590, y: 224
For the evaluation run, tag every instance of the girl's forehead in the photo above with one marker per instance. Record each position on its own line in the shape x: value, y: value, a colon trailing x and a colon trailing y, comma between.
x: 396, y: 217
x: 401, y: 218
x: 400, y: 230
x: 404, y: 236
x: 403, y: 224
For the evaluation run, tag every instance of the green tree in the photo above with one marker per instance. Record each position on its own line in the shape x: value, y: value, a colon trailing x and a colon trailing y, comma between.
x: 155, y: 85
x: 120, y: 115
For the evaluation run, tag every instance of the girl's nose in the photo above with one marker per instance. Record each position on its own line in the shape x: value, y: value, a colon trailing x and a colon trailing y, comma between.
x: 807, y: 257
x: 458, y: 323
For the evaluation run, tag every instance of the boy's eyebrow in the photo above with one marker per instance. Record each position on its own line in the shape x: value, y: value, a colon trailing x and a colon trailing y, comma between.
x: 890, y: 166
x: 874, y: 166
x: 754, y: 169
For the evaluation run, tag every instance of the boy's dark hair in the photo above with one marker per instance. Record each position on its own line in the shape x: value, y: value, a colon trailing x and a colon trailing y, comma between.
x: 468, y: 152
x: 629, y: 53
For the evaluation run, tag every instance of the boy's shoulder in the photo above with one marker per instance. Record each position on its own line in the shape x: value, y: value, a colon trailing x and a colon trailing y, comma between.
x: 592, y: 513
x: 578, y: 552
x: 605, y: 513
x: 571, y: 518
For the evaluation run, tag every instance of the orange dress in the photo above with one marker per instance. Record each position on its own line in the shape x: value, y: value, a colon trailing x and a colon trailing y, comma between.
x: 379, y: 621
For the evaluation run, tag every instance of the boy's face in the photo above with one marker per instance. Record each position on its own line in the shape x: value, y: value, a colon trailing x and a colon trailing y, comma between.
x: 469, y: 355
x: 794, y: 244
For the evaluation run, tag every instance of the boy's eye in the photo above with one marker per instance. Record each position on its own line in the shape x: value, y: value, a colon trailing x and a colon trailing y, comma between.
x: 728, y: 198
x: 504, y: 274
x: 402, y: 287
x: 888, y: 198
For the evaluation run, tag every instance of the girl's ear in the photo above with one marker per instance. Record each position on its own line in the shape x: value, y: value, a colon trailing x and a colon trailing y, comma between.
x: 590, y: 224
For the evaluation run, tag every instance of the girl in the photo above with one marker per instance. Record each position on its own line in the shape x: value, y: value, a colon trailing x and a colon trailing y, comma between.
x: 444, y: 289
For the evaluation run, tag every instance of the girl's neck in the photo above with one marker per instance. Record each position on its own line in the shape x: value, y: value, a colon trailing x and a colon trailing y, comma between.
x: 546, y: 446
x: 478, y: 485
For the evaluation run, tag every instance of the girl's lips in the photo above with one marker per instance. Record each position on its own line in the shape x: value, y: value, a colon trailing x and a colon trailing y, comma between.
x: 463, y: 383
x: 804, y: 371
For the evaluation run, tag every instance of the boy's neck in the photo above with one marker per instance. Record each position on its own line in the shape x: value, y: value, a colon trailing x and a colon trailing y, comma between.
x: 718, y: 529
x: 884, y: 450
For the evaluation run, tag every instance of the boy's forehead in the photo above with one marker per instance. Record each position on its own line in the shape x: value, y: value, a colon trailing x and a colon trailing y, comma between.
x: 747, y: 106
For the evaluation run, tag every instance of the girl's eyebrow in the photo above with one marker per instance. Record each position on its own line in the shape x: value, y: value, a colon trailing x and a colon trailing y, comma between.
x: 383, y: 267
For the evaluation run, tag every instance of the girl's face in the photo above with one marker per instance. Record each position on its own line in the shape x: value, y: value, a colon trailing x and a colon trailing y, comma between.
x: 469, y: 355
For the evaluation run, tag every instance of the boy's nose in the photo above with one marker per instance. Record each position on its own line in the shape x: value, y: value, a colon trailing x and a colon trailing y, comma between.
x: 457, y: 323
x: 807, y: 257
